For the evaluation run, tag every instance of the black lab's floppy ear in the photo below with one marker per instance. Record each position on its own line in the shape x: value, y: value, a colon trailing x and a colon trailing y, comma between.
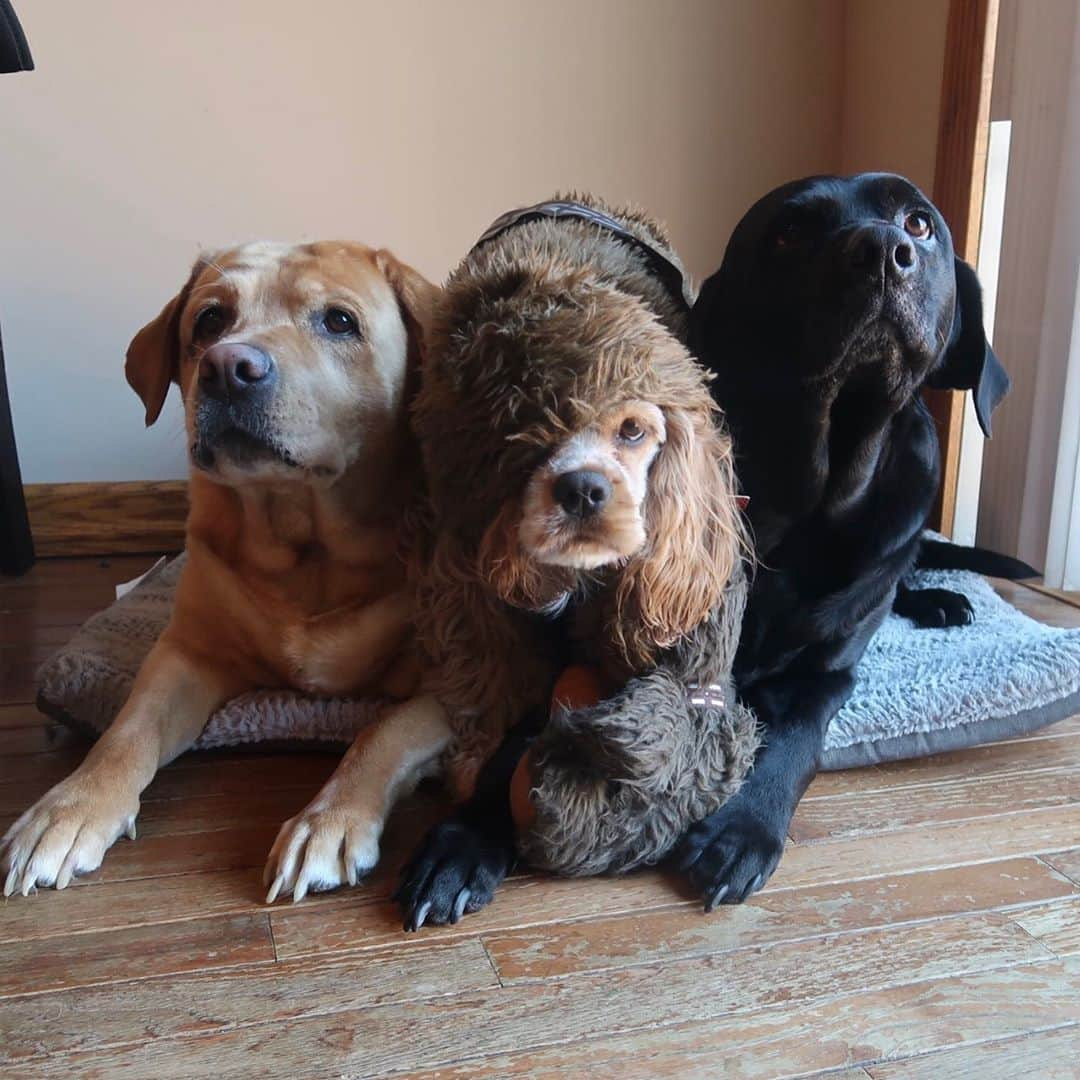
x: 968, y: 362
x: 153, y: 357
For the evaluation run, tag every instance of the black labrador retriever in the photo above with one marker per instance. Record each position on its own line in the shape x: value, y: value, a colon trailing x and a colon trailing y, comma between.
x: 838, y: 300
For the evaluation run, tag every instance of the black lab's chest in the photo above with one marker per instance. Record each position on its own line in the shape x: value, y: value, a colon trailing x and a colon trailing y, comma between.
x: 826, y: 569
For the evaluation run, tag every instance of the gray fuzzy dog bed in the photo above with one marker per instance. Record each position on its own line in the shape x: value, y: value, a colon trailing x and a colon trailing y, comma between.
x: 917, y: 691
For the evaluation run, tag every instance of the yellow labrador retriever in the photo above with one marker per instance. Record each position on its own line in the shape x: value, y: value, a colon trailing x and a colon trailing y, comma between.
x: 296, y: 365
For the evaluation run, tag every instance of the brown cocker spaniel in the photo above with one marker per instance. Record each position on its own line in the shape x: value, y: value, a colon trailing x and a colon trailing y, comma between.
x: 583, y: 510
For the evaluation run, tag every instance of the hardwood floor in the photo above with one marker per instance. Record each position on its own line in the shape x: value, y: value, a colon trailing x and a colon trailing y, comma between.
x: 925, y: 923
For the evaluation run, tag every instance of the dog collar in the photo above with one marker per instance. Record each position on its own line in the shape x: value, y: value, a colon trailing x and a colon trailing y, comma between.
x: 666, y: 271
x: 554, y: 608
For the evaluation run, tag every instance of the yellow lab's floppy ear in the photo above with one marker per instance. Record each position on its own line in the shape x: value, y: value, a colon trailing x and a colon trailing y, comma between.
x: 416, y: 299
x: 153, y: 357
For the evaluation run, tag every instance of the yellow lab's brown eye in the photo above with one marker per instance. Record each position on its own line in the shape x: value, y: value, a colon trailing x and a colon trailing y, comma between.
x: 338, y: 321
x: 918, y: 225
x: 209, y: 323
x: 631, y: 431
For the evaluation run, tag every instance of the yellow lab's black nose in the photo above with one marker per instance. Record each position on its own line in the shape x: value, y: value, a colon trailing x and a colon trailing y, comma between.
x: 232, y: 371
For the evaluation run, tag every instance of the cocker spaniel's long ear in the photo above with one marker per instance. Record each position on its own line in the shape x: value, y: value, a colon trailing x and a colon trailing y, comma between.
x: 968, y: 362
x: 695, y: 537
x: 153, y: 357
x: 416, y: 298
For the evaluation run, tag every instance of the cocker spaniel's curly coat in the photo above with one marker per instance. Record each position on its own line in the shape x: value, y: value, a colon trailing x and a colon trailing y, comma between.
x: 583, y: 507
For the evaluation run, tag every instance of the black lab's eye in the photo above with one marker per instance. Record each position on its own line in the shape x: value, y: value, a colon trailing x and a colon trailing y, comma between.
x: 784, y: 237
x: 209, y: 323
x: 338, y: 321
x: 918, y: 225
x: 631, y: 431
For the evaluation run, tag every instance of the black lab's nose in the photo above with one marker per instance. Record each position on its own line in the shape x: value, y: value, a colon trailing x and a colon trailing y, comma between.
x: 232, y: 371
x: 582, y: 493
x: 882, y: 249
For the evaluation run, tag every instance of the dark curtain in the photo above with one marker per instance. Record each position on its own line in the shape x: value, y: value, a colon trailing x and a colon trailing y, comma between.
x: 14, y: 52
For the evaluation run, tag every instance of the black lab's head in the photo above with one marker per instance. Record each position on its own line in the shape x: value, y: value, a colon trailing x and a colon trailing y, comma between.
x: 833, y: 278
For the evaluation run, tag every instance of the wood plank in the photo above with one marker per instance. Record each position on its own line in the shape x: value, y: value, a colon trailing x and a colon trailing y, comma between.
x: 131, y: 1013
x: 1066, y: 596
x: 1056, y: 925
x: 992, y: 760
x: 43, y: 737
x: 20, y: 630
x: 211, y: 813
x: 1065, y: 862
x: 1038, y: 606
x: 530, y: 901
x: 177, y: 880
x: 177, y: 857
x: 107, y: 518
x: 29, y: 652
x: 110, y: 569
x: 1049, y: 1055
x: 522, y: 901
x: 875, y: 812
x: 57, y: 596
x: 115, y: 906
x: 657, y: 937
x: 187, y: 853
x: 193, y: 775
x: 18, y: 680
x: 17, y: 716
x: 415, y: 1034
x: 155, y: 857
x: 31, y: 967
x: 822, y: 1034
x: 959, y: 844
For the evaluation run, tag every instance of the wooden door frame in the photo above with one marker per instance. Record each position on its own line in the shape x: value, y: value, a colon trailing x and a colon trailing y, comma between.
x: 959, y: 179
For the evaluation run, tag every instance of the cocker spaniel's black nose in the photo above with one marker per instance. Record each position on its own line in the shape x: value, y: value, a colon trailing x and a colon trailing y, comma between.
x: 582, y: 493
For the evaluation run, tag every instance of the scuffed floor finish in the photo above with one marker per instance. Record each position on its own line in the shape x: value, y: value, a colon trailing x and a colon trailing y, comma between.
x: 925, y: 922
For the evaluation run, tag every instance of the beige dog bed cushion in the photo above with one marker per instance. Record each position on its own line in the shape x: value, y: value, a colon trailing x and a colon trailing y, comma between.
x: 917, y: 691
x: 89, y: 679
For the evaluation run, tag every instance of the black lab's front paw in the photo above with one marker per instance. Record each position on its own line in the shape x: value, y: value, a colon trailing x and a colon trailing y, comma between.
x: 730, y: 854
x: 455, y: 871
x: 934, y: 608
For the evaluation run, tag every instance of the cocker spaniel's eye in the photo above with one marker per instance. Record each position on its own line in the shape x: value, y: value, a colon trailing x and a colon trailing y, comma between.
x: 339, y: 322
x: 919, y: 225
x: 631, y: 431
x: 209, y: 323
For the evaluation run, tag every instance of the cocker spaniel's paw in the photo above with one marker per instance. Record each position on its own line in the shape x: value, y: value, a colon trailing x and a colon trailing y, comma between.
x: 730, y: 854
x: 65, y: 833
x: 323, y: 847
x: 455, y: 871
x: 934, y: 608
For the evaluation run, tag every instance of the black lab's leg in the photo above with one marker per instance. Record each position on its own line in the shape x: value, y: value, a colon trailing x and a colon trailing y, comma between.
x: 933, y: 607
x: 461, y: 861
x: 734, y: 851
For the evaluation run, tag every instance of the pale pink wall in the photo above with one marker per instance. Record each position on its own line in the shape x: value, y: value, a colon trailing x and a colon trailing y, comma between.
x: 151, y: 129
x: 892, y: 61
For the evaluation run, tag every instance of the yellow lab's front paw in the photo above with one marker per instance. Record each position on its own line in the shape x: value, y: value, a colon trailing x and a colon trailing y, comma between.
x: 64, y: 833
x: 323, y: 847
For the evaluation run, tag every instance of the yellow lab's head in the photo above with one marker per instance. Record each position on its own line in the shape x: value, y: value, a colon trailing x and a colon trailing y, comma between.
x: 294, y: 362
